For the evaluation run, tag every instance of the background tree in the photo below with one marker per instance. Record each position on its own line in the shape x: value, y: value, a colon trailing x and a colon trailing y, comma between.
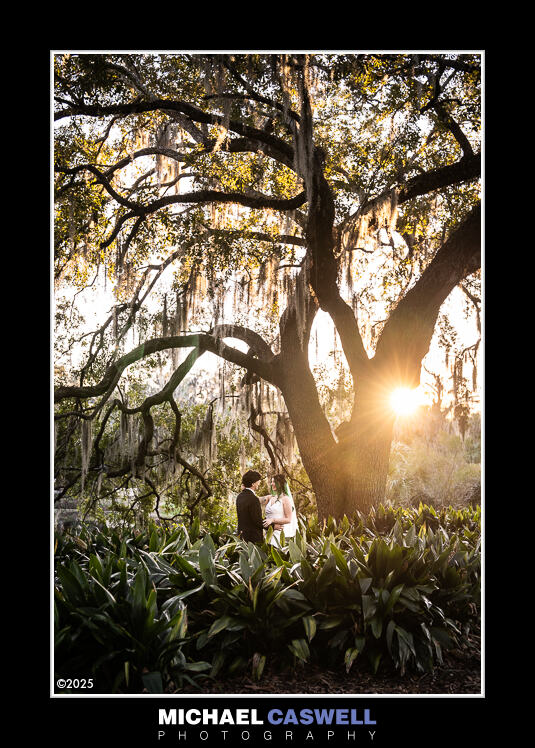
x: 271, y: 187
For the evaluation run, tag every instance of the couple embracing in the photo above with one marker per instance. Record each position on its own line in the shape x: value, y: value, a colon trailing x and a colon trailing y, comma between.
x: 279, y: 509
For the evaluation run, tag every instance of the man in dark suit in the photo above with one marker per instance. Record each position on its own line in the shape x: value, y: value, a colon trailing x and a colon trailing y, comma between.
x: 248, y: 509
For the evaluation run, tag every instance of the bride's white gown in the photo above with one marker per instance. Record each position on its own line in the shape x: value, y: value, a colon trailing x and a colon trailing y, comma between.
x: 274, y: 509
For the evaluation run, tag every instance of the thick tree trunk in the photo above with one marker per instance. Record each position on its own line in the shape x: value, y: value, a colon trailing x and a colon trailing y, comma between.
x: 348, y: 470
x: 369, y: 455
x: 348, y: 473
x: 317, y: 446
x: 364, y: 444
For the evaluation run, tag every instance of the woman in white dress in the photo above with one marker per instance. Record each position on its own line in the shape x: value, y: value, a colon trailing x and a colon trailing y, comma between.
x: 280, y: 511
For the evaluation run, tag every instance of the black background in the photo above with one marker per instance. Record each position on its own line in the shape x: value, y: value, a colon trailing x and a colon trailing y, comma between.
x: 410, y: 721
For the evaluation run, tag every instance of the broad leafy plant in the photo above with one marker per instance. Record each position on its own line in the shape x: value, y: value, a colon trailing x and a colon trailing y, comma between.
x: 164, y: 609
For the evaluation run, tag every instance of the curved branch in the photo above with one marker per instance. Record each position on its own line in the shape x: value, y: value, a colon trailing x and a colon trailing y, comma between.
x: 465, y: 170
x: 455, y: 129
x: 255, y: 342
x: 268, y: 442
x: 278, y: 148
x: 193, y: 470
x: 249, y: 201
x: 407, y: 333
x: 135, y: 304
x: 199, y: 196
x: 200, y: 342
x: 166, y: 392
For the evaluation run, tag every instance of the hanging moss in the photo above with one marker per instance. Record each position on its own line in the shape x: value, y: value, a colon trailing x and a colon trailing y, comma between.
x: 165, y: 324
x: 86, y: 443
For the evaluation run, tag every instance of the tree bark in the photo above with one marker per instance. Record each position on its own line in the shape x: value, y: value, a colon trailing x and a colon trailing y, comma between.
x: 349, y: 471
x: 317, y: 445
x: 365, y: 441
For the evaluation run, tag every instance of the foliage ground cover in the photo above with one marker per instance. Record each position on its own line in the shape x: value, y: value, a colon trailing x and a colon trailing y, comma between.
x: 179, y: 609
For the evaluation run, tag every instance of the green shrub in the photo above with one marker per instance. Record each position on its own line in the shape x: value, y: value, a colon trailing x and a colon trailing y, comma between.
x: 165, y: 609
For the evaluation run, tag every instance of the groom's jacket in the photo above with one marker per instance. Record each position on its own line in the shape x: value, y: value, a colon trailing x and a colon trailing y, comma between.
x: 249, y: 513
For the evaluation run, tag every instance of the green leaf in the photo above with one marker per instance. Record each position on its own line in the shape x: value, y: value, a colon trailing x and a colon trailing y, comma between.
x: 331, y: 622
x: 179, y: 625
x: 186, y: 567
x: 340, y: 560
x: 95, y: 566
x: 71, y: 586
x: 376, y: 624
x: 225, y: 623
x: 369, y: 606
x: 339, y: 639
x: 206, y: 565
x: 293, y: 594
x: 410, y: 537
x: 245, y: 567
x: 407, y: 638
x: 276, y: 556
x: 194, y: 530
x: 109, y: 596
x: 197, y: 667
x: 154, y: 541
x: 273, y: 575
x: 375, y: 659
x: 390, y: 634
x: 327, y: 573
x: 253, y: 593
x: 295, y: 552
x: 152, y: 608
x: 309, y: 622
x: 299, y: 648
x: 255, y: 558
x: 138, y: 589
x: 208, y: 541
x: 350, y: 656
x: 441, y: 636
x: 394, y: 597
x: 237, y: 664
x: 217, y: 663
x: 181, y: 596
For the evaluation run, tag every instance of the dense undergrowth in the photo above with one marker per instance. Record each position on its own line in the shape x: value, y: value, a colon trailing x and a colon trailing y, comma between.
x: 163, y: 610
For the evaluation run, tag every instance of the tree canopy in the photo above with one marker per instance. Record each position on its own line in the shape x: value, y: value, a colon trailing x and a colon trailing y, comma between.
x: 227, y: 199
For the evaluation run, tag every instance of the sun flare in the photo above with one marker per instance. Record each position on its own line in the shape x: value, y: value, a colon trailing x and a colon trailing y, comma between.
x: 404, y: 401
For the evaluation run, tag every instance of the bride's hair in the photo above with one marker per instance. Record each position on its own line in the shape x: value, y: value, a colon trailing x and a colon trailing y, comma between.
x: 281, y: 484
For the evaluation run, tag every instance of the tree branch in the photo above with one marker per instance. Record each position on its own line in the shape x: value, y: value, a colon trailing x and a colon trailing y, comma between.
x: 407, y: 333
x: 199, y: 196
x: 200, y: 342
x: 322, y: 268
x: 275, y: 145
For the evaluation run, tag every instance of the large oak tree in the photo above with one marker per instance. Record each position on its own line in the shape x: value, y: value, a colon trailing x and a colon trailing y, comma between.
x: 328, y: 158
